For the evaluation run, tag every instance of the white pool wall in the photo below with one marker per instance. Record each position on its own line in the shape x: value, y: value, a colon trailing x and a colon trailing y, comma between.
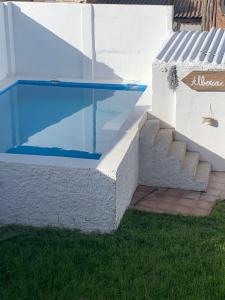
x: 78, y: 198
x: 56, y: 196
x: 84, y: 41
x: 3, y: 48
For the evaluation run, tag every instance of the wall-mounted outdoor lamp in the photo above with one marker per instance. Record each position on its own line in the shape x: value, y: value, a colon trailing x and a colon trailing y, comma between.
x: 209, y: 119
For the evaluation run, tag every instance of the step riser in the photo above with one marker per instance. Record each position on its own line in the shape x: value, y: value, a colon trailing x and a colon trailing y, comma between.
x: 149, y: 132
x: 177, y: 152
x: 192, y: 186
x: 163, y: 141
x: 170, y: 176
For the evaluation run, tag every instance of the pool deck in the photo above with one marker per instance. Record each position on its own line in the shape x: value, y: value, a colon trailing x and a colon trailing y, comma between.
x: 175, y: 201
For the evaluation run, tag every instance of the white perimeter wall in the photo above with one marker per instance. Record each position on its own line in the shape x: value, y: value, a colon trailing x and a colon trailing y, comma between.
x: 3, y: 51
x: 47, y: 39
x: 127, y: 38
x: 87, y: 41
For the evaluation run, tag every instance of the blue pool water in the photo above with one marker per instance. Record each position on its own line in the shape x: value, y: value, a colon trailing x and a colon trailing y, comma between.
x: 63, y: 119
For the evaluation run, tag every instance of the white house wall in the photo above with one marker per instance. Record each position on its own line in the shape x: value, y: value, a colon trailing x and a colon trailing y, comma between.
x: 191, y: 107
x: 163, y: 98
x: 185, y: 108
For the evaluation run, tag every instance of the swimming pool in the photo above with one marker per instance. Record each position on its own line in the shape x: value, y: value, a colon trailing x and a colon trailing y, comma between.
x: 54, y: 118
x: 69, y: 152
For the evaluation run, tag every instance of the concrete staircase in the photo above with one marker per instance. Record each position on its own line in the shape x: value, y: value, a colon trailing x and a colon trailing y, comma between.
x: 165, y: 162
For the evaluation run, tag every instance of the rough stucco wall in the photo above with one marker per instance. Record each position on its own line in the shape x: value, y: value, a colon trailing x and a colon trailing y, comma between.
x: 43, y: 196
x: 3, y: 49
x: 127, y: 178
x: 85, y: 199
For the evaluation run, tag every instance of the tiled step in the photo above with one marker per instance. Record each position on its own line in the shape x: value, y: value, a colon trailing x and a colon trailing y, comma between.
x: 149, y: 131
x: 177, y: 151
x: 191, y: 162
x: 203, y: 174
x: 163, y: 140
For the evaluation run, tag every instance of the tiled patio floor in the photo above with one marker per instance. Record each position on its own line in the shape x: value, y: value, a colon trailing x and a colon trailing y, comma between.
x: 174, y: 201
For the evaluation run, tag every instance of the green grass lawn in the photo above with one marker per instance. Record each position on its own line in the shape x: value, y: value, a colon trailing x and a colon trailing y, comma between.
x: 151, y: 256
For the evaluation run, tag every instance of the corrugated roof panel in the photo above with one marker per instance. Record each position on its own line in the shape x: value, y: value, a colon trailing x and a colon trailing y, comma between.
x: 214, y: 46
x: 174, y: 46
x: 195, y: 47
x: 188, y: 51
x: 220, y: 53
x: 198, y: 45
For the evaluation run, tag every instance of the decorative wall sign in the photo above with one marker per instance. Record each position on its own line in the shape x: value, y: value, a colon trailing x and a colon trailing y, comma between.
x: 205, y: 81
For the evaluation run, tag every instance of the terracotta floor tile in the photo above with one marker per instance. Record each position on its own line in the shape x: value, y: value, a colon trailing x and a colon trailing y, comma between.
x: 183, y: 210
x: 218, y: 174
x: 170, y: 200
x: 200, y: 212
x: 191, y: 195
x: 205, y: 205
x: 175, y: 201
x: 216, y: 179
x: 216, y: 185
x: 156, y: 207
x: 159, y: 193
x: 222, y: 195
x: 165, y: 207
x: 187, y: 202
x: 141, y: 192
x: 144, y: 189
x: 213, y: 192
x: 144, y: 208
x: 206, y: 197
x: 150, y: 204
x: 148, y: 207
x: 137, y: 197
x: 152, y: 197
x: 175, y: 192
x: 160, y: 189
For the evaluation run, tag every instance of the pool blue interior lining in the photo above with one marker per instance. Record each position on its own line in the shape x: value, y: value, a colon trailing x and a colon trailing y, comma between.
x: 29, y: 150
x: 111, y: 86
x: 64, y: 119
